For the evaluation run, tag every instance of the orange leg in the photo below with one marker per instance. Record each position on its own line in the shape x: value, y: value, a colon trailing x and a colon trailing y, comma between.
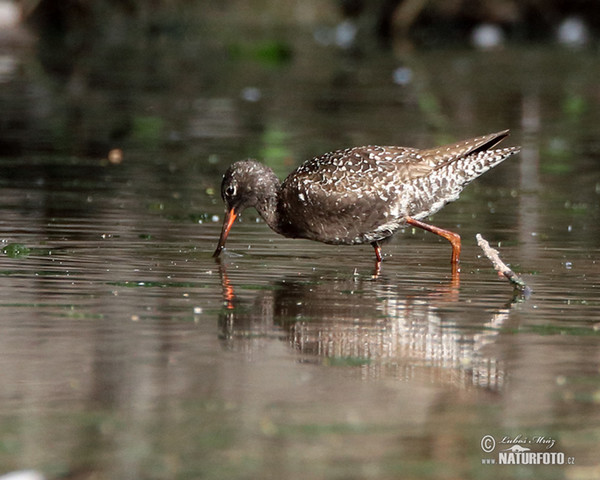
x: 453, y: 238
x: 377, y: 251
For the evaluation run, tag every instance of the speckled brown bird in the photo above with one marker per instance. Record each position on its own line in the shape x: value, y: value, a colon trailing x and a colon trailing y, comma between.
x: 361, y: 194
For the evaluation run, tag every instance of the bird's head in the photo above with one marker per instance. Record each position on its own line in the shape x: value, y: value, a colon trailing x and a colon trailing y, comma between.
x: 246, y: 183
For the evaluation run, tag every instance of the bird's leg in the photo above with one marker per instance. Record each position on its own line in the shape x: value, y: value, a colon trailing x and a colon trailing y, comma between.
x: 378, y: 259
x: 453, y: 238
x: 377, y: 251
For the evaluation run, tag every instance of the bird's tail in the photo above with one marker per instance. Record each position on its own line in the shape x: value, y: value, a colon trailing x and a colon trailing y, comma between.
x: 467, y: 169
x: 446, y: 181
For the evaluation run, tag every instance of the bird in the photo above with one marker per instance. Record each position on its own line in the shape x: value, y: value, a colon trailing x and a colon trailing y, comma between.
x: 360, y: 195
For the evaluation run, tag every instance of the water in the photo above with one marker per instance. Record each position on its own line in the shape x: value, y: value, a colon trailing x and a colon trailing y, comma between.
x: 128, y: 352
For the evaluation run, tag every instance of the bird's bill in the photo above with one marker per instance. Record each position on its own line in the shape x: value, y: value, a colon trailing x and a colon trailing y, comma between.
x: 230, y: 217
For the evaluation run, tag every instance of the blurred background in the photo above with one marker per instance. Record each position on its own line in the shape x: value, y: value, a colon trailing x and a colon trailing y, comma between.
x: 84, y: 77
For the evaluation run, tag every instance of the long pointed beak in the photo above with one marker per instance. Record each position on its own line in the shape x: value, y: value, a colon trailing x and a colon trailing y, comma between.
x: 230, y: 217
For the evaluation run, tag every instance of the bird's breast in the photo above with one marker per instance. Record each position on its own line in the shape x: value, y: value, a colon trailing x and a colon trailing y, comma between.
x: 338, y: 214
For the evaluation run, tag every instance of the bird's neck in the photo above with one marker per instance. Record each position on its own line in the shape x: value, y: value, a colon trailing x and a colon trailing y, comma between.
x: 267, y: 208
x: 267, y: 202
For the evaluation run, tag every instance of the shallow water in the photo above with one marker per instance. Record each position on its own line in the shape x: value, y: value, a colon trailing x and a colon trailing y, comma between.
x: 128, y: 352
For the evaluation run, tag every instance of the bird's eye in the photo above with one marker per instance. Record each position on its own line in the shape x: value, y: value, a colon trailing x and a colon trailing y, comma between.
x: 230, y: 191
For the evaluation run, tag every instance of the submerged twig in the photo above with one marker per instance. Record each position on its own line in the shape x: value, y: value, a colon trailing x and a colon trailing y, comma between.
x: 501, y: 267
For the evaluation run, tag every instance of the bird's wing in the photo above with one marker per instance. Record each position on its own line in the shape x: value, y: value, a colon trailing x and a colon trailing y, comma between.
x: 448, y: 153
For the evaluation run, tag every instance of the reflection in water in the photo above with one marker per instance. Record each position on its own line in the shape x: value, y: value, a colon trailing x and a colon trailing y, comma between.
x: 529, y: 178
x: 368, y: 322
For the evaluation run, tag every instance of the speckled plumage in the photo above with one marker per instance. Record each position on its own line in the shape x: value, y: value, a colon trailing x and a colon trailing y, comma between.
x: 361, y: 194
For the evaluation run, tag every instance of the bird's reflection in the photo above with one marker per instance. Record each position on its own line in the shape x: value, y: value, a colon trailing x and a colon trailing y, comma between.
x: 386, y: 328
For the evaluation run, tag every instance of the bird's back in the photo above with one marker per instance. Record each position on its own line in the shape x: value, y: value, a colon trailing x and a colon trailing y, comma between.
x: 364, y: 194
